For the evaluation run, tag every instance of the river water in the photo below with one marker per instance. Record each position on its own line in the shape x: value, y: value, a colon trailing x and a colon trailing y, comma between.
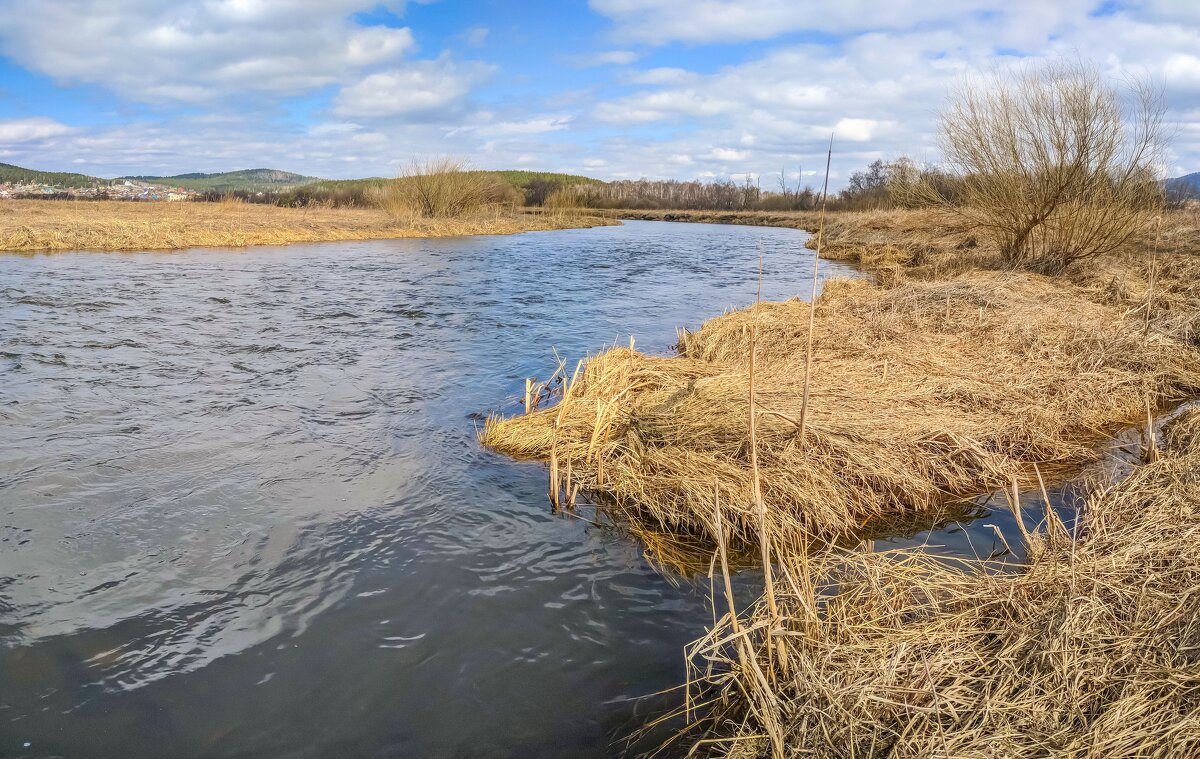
x: 243, y: 511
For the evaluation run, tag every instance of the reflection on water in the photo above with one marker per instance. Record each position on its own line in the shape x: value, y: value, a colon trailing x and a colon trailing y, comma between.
x: 243, y: 511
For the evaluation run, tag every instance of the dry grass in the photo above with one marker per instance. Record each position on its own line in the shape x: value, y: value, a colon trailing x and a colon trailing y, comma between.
x: 31, y: 225
x: 446, y: 188
x: 921, y: 392
x: 1093, y: 650
x: 951, y: 374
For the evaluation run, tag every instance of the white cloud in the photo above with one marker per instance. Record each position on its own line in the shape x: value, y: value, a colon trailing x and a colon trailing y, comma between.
x: 729, y: 154
x: 605, y: 58
x: 662, y: 21
x: 877, y: 76
x: 536, y: 125
x: 856, y: 130
x: 476, y: 36
x: 661, y: 75
x: 422, y: 90
x: 30, y: 130
x: 879, y: 86
x: 198, y: 51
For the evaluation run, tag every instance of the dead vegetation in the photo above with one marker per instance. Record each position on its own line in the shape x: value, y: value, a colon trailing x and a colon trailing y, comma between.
x: 1092, y: 650
x: 921, y: 392
x: 1057, y: 164
x: 950, y: 374
x: 1000, y: 341
x: 33, y: 225
x: 446, y: 188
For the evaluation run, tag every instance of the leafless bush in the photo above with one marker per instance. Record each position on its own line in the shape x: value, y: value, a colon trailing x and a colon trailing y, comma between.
x: 445, y: 187
x: 1057, y: 164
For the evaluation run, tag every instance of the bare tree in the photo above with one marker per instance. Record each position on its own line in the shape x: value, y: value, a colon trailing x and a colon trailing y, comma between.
x: 1057, y: 164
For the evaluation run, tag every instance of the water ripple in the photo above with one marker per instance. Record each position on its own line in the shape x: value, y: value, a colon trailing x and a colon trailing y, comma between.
x: 243, y: 512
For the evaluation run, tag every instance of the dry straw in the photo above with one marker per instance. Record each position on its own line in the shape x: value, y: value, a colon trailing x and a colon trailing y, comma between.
x: 41, y: 225
x: 1089, y: 651
x: 988, y: 375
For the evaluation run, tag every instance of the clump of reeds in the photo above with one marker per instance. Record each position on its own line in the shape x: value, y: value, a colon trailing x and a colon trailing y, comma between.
x: 1092, y: 650
x: 446, y: 188
x: 919, y: 394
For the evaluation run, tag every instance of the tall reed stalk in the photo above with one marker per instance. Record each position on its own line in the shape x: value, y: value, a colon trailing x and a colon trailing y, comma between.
x: 812, y: 303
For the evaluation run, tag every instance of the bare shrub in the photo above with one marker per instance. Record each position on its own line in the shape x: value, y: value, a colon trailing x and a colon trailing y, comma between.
x: 1057, y: 164
x: 445, y: 188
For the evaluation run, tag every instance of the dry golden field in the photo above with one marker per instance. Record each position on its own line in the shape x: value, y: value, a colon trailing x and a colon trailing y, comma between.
x: 36, y: 225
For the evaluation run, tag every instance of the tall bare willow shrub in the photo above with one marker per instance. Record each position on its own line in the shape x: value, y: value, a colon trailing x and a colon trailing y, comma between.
x: 443, y: 188
x: 1057, y: 164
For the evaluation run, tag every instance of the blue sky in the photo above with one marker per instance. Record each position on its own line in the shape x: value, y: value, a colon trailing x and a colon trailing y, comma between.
x: 609, y: 88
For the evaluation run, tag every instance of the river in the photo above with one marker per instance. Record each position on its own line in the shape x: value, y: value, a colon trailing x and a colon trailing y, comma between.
x: 243, y: 511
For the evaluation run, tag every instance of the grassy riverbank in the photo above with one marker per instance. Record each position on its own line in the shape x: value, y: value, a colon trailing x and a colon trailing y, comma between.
x: 951, y: 374
x: 1088, y: 652
x: 946, y: 378
x: 32, y: 226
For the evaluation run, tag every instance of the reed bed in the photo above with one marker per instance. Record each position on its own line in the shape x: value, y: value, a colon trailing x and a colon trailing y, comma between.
x: 32, y: 225
x: 1092, y: 650
x: 921, y: 394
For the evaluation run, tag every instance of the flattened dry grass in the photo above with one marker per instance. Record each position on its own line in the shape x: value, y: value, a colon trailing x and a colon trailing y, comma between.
x: 32, y: 225
x: 1093, y: 650
x: 921, y: 393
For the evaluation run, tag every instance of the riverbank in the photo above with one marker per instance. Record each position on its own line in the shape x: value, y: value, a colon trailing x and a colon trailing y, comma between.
x: 1088, y: 651
x: 945, y: 377
x: 47, y: 226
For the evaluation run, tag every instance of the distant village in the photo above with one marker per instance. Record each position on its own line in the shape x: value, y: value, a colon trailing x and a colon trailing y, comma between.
x: 118, y: 189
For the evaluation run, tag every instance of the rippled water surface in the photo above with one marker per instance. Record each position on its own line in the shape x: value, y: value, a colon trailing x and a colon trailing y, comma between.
x: 243, y: 511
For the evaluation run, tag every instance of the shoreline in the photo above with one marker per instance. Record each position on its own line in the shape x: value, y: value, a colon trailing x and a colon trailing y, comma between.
x: 949, y: 374
x: 920, y: 391
x: 44, y: 226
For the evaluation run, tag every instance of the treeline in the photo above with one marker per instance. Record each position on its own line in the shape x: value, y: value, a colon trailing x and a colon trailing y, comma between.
x: 532, y: 188
x: 879, y: 186
x: 871, y: 188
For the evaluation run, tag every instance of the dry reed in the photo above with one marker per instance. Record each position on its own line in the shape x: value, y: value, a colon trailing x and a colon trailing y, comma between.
x: 988, y: 375
x: 1092, y: 650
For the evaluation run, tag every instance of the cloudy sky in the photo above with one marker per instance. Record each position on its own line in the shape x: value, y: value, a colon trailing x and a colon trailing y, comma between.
x: 608, y: 88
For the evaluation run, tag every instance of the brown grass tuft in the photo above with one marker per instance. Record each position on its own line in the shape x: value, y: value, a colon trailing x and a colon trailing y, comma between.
x: 1090, y: 651
x: 921, y: 393
x: 445, y: 188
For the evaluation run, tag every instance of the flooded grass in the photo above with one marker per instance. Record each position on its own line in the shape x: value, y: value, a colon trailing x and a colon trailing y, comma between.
x: 919, y: 393
x: 949, y: 375
x: 1089, y: 651
x: 34, y: 226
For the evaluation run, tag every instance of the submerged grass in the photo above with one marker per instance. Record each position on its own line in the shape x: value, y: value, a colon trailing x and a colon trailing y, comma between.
x: 1093, y: 650
x: 32, y: 225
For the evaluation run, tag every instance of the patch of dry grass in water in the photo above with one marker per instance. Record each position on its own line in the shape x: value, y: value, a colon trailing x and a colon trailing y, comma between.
x: 32, y: 225
x: 921, y: 393
x: 1093, y: 650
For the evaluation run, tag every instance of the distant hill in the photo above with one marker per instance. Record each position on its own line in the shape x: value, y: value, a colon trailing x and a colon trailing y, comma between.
x: 247, y: 180
x: 1187, y: 186
x: 291, y: 188
x: 16, y: 174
